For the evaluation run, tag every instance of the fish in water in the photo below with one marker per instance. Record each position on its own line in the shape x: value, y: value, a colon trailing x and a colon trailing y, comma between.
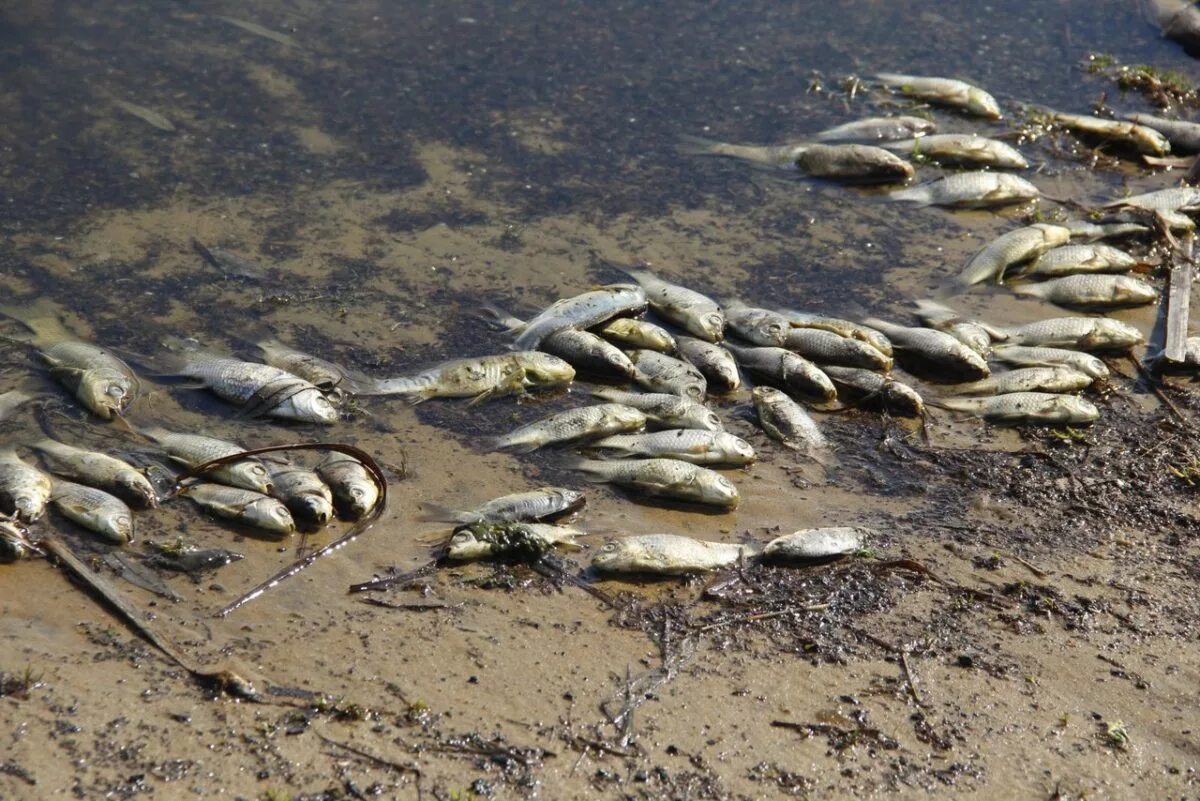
x: 685, y: 444
x: 669, y: 555
x: 786, y: 370
x: 1009, y: 249
x: 1026, y: 408
x: 1075, y: 259
x: 24, y: 490
x: 1058, y: 378
x: 665, y: 478
x: 944, y: 92
x: 478, y: 377
x: 870, y: 389
x: 193, y: 450
x: 147, y: 115
x: 633, y: 333
x: 695, y: 313
x: 1141, y: 138
x: 658, y: 372
x: 230, y: 264
x: 1050, y: 357
x: 769, y: 155
x: 878, y: 129
x: 97, y: 470
x: 937, y: 350
x: 355, y: 492
x: 962, y: 150
x: 977, y: 336
x: 509, y: 539
x: 853, y: 163
x: 789, y: 423
x: 324, y: 375
x: 826, y: 347
x: 970, y: 190
x: 714, y: 362
x: 302, y: 491
x: 1092, y: 291
x: 582, y: 349
x: 261, y: 389
x: 816, y: 543
x: 1184, y: 136
x: 242, y: 506
x: 843, y: 328
x: 1092, y: 334
x: 538, y: 504
x: 573, y: 424
x: 95, y: 510
x: 580, y: 311
x: 668, y: 410
x: 189, y: 559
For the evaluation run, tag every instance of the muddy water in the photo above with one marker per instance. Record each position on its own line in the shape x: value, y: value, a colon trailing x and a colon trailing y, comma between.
x: 390, y: 167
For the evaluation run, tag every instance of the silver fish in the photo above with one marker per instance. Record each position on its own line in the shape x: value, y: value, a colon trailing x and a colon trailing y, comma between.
x: 97, y: 470
x: 1058, y: 379
x: 844, y: 328
x: 757, y: 326
x: 572, y: 424
x: 1027, y: 408
x: 786, y: 370
x: 324, y: 375
x: 582, y: 349
x: 669, y: 554
x: 667, y: 410
x: 1143, y: 139
x: 11, y: 401
x: 1087, y: 333
x: 714, y: 362
x: 870, y: 389
x: 1048, y: 357
x: 815, y: 543
x: 963, y: 150
x: 14, y: 541
x: 1092, y: 291
x: 970, y: 190
x: 24, y: 490
x: 509, y: 539
x: 658, y: 372
x: 581, y: 311
x: 1091, y: 231
x: 769, y: 155
x: 95, y: 510
x: 877, y: 129
x: 826, y: 347
x: 478, y: 377
x: 936, y: 349
x: 1073, y: 259
x: 685, y: 444
x: 695, y: 313
x: 302, y: 491
x: 193, y: 450
x: 1184, y: 136
x: 262, y: 389
x: 665, y: 478
x: 355, y: 492
x: 976, y: 335
x: 1174, y: 199
x: 538, y: 504
x: 944, y: 92
x: 787, y: 422
x: 853, y: 163
x: 242, y: 506
x: 638, y: 334
x: 1009, y: 249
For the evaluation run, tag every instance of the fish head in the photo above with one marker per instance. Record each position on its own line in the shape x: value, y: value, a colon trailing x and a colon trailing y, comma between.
x: 1093, y: 367
x: 1075, y: 409
x: 721, y: 491
x: 694, y: 391
x: 251, y: 475
x: 118, y: 527
x: 618, y: 555
x: 105, y: 392
x: 1151, y: 141
x: 704, y: 419
x: 465, y: 545
x: 713, y: 326
x: 983, y: 104
x: 312, y: 405
x: 271, y: 515
x: 903, y: 400
x: 137, y: 484
x: 545, y: 369
x: 360, y: 497
x: 313, y: 508
x: 28, y: 507
x: 737, y: 446
x: 568, y: 499
x: 628, y: 417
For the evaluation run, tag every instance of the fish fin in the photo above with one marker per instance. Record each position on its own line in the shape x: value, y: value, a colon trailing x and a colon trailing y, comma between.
x: 436, y: 513
x: 497, y: 317
x: 823, y: 456
x: 689, y: 145
x: 952, y: 404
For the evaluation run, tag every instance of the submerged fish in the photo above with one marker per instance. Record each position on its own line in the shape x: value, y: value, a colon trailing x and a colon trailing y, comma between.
x: 1074, y: 259
x: 572, y: 424
x: 935, y: 349
x: 815, y: 543
x: 1143, y: 139
x: 788, y: 422
x: 231, y: 264
x: 671, y: 411
x: 302, y: 491
x: 355, y: 492
x: 669, y: 554
x: 962, y: 150
x: 685, y: 444
x: 95, y: 510
x: 877, y: 129
x: 1049, y: 357
x: 479, y: 377
x: 870, y: 389
x: 1059, y: 378
x: 944, y: 92
x: 1092, y: 291
x: 97, y: 470
x: 1083, y: 333
x: 853, y: 163
x: 242, y: 506
x: 770, y: 155
x: 1179, y: 20
x: 786, y: 370
x: 1026, y: 408
x: 843, y: 328
x: 695, y: 313
x: 580, y: 311
x: 261, y: 389
x: 529, y: 541
x: 189, y: 559
x: 538, y: 504
x: 24, y: 490
x: 1009, y: 249
x: 193, y: 450
x: 147, y: 115
x: 658, y: 372
x: 665, y: 478
x: 1184, y: 136
x: 638, y: 334
x: 714, y: 362
x: 970, y: 190
x: 322, y: 374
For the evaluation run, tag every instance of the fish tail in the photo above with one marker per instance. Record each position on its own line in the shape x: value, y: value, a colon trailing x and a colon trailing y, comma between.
x: 494, y: 315
x: 41, y: 318
x: 436, y: 513
x: 915, y: 194
x: 699, y: 146
x: 593, y: 470
x: 953, y: 404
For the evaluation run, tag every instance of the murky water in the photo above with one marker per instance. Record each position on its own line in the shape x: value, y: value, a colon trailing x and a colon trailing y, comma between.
x: 391, y: 166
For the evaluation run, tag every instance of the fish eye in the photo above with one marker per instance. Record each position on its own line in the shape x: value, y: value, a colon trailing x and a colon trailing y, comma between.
x: 357, y: 493
x: 715, y: 320
x: 712, y: 419
x: 775, y: 328
x: 724, y: 482
x: 609, y: 547
x: 280, y: 512
x: 258, y: 470
x: 115, y: 391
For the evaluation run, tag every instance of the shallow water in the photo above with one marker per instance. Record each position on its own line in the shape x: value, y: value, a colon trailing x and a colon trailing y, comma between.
x: 393, y: 166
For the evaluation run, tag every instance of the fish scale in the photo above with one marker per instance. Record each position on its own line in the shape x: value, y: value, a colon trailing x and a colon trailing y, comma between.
x: 586, y: 421
x: 193, y: 450
x: 665, y: 409
x: 95, y: 510
x: 97, y: 469
x: 688, y: 445
x: 276, y: 392
x: 667, y: 478
x: 24, y: 490
x: 787, y: 421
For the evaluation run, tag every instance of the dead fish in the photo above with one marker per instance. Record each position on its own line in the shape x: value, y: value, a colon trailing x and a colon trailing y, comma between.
x: 935, y: 349
x: 146, y: 115
x: 671, y: 411
x: 826, y: 347
x: 230, y: 263
x: 1179, y: 20
x: 853, y: 163
x: 527, y: 541
x: 962, y: 150
x: 1093, y: 334
x: 843, y: 328
x: 478, y: 377
x: 769, y: 155
x: 1010, y: 249
x: 580, y: 311
x: 786, y: 370
x: 14, y: 541
x: 634, y: 333
x: 714, y: 362
x: 1092, y: 291
x: 1184, y: 136
x: 1143, y: 139
x: 664, y: 478
x: 582, y: 349
x: 685, y: 444
x: 669, y: 555
x: 355, y: 492
x: 695, y: 313
x: 1074, y: 259
x: 538, y: 504
x: 1059, y: 379
x: 24, y: 490
x: 324, y: 375
x: 302, y: 491
x: 242, y: 506
x: 97, y: 470
x: 789, y: 423
x: 816, y: 543
x: 11, y: 401
x: 189, y: 559
x: 193, y: 450
x: 95, y: 510
x: 757, y: 326
x: 1026, y: 408
x: 977, y: 336
x: 1048, y: 357
x: 944, y: 92
x: 572, y: 424
x: 1165, y: 201
x: 261, y: 389
x: 878, y: 129
x: 1093, y: 231
x: 658, y: 372
x: 259, y: 30
x: 970, y: 190
x: 870, y: 389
